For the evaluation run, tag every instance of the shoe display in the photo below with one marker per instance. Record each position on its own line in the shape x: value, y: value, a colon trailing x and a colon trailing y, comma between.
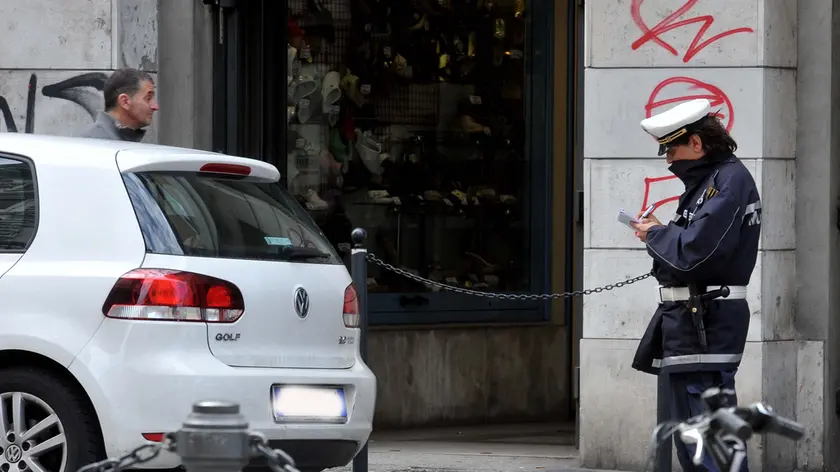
x: 405, y: 117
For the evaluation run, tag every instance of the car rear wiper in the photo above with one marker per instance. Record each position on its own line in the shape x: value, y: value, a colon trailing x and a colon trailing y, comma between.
x: 302, y: 253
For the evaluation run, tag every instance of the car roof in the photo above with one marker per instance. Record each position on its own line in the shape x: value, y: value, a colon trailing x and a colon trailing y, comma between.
x: 83, y: 151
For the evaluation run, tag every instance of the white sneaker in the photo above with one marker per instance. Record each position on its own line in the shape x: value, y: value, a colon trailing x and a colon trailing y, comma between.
x: 313, y: 201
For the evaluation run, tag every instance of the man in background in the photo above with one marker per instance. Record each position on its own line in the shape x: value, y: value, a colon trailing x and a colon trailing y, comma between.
x: 130, y: 103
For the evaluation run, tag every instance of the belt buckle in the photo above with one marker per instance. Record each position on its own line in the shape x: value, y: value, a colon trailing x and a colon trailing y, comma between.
x: 660, y: 298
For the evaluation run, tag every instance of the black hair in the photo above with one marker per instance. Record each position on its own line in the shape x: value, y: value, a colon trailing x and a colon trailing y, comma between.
x: 123, y: 81
x: 715, y: 138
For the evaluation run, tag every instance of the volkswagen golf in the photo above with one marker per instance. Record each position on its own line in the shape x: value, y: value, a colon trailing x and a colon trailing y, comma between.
x: 137, y: 279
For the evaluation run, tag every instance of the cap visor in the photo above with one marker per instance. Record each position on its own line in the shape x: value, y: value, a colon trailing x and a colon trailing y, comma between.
x: 662, y: 149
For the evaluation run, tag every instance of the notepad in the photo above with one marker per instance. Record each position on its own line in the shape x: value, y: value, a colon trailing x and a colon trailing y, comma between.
x: 626, y: 218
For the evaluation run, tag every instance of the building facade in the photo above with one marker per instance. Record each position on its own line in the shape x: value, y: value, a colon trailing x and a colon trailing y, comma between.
x: 535, y: 101
x: 54, y: 61
x: 769, y: 69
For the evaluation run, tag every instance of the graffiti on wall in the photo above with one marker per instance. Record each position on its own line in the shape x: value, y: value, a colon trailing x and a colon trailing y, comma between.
x: 683, y: 89
x: 671, y: 91
x: 85, y: 90
x: 672, y: 22
x: 653, y: 195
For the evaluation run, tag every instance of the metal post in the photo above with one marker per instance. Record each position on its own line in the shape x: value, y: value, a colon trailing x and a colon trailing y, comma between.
x: 358, y: 270
x: 663, y: 413
x: 214, y: 438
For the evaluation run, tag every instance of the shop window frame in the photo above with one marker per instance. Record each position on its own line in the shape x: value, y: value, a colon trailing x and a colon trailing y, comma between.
x: 385, y: 309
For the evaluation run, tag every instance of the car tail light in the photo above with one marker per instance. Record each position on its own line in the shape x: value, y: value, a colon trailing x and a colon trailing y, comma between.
x: 351, y: 307
x: 221, y: 168
x: 171, y: 295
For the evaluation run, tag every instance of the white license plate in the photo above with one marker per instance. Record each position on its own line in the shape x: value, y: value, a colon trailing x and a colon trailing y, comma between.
x: 312, y: 404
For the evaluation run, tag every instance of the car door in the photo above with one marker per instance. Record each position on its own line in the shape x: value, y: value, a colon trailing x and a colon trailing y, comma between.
x: 18, y: 209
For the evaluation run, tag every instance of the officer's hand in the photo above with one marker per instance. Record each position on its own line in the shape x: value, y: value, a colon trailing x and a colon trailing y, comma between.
x: 651, y: 218
x: 645, y: 225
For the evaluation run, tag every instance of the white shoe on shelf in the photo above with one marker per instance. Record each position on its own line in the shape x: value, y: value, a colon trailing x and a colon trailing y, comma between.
x: 313, y: 201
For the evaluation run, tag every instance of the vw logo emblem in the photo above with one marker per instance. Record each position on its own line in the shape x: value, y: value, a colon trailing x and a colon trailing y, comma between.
x: 301, y: 302
x: 13, y: 453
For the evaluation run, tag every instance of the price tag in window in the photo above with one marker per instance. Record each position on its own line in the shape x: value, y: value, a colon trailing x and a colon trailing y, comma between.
x: 304, y: 103
x: 475, y: 99
x: 365, y: 89
x: 305, y: 52
x: 334, y: 109
x: 387, y: 51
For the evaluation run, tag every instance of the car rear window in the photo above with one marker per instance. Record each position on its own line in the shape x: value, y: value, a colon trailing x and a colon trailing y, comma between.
x: 18, y: 207
x: 193, y: 214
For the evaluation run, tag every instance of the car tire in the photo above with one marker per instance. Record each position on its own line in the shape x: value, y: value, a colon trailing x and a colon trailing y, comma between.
x: 44, y: 394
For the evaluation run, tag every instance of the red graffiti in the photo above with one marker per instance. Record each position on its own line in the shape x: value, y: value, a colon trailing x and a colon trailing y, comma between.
x: 670, y: 23
x: 708, y: 91
x: 648, y: 183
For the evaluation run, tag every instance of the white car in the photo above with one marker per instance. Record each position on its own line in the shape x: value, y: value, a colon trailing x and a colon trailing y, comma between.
x: 138, y: 279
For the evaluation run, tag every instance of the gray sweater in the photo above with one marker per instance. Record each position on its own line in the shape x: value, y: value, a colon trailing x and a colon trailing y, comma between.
x: 106, y: 127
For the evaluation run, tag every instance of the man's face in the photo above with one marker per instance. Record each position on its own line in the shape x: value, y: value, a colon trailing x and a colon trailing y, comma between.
x: 142, y: 105
x: 685, y: 151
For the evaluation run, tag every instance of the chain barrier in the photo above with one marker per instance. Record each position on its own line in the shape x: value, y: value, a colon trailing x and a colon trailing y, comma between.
x: 277, y: 460
x: 140, y: 455
x: 502, y: 296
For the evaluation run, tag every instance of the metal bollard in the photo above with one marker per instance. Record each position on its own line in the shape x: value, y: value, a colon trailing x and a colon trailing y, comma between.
x: 358, y: 270
x: 663, y: 413
x: 214, y: 438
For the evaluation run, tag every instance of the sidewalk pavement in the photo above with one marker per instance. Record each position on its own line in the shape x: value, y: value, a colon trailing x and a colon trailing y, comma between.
x: 540, y: 448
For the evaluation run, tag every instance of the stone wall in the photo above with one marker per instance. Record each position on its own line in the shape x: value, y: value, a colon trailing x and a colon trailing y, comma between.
x: 642, y: 57
x: 56, y: 56
x: 470, y: 375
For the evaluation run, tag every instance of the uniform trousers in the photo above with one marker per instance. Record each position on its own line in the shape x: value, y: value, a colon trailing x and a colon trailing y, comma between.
x: 686, y: 402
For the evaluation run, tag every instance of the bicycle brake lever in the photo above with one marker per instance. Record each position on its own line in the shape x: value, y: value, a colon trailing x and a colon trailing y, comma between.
x: 696, y: 437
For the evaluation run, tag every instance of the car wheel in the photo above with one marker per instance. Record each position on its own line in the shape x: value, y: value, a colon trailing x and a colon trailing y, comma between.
x: 45, y: 424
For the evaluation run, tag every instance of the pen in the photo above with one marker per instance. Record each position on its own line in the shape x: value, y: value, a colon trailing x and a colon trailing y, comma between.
x: 648, y: 211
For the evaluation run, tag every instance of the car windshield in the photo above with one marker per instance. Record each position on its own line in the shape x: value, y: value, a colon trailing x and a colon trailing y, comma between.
x: 193, y: 214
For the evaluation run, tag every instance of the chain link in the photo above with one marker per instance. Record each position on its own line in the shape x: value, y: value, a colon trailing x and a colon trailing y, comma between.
x: 502, y: 296
x: 278, y: 461
x: 140, y: 455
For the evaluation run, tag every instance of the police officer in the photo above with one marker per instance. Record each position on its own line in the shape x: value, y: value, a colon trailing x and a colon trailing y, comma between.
x: 697, y: 336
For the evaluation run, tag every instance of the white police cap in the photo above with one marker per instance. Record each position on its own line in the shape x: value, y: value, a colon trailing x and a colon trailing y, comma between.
x: 678, y: 121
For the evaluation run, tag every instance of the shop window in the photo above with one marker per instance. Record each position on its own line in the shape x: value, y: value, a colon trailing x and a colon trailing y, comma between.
x: 425, y: 123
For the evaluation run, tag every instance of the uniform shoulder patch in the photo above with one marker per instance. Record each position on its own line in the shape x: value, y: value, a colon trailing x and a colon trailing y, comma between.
x: 711, y: 192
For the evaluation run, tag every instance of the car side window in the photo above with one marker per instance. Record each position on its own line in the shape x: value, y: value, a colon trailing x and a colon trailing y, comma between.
x: 18, y: 205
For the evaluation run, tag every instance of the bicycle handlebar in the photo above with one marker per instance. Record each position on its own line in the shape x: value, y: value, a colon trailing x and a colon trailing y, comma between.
x: 762, y: 418
x: 723, y: 430
x: 730, y: 421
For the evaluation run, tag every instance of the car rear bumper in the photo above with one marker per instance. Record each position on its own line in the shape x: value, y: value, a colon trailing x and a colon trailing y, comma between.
x: 144, y: 378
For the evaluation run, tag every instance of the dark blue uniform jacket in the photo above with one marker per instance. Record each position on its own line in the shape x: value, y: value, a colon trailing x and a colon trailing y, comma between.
x: 712, y: 240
